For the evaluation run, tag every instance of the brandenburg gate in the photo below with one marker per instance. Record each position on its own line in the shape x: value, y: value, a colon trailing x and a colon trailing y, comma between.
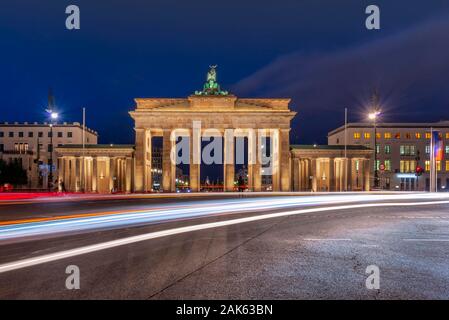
x: 206, y: 113
x: 213, y: 112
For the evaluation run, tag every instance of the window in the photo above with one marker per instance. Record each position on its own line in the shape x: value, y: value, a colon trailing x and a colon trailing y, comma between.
x: 427, y: 149
x: 407, y: 166
x: 2, y: 147
x: 397, y: 136
x: 367, y: 135
x: 21, y: 147
x: 387, y: 135
x: 387, y: 149
x: 447, y: 135
x: 439, y: 165
x: 69, y: 134
x: 59, y: 134
x: 378, y: 135
x: 408, y: 136
x: 377, y: 148
x: 407, y: 150
x: 50, y: 134
x: 21, y: 134
x: 30, y: 134
x: 40, y: 134
x: 2, y: 134
x: 11, y: 134
x: 428, y: 135
x: 356, y: 135
x: 447, y: 164
x: 49, y: 148
x: 387, y: 164
x: 418, y: 135
x: 427, y: 165
x: 447, y: 149
x: 377, y: 165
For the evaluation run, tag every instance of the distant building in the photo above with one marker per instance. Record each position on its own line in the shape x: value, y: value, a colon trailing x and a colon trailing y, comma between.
x: 30, y: 144
x: 156, y: 170
x: 400, y: 147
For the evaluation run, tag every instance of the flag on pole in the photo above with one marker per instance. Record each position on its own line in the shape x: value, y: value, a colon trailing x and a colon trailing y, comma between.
x: 437, y: 146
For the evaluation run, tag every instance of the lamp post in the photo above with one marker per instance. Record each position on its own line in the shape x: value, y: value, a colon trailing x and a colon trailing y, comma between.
x: 53, y: 117
x: 373, y: 117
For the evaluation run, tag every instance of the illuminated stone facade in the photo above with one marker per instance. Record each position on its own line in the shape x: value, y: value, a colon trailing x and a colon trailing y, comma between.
x: 250, y: 118
x: 213, y: 112
x: 330, y: 168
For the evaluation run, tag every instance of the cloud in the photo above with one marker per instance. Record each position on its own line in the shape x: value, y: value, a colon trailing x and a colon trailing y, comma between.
x: 410, y: 69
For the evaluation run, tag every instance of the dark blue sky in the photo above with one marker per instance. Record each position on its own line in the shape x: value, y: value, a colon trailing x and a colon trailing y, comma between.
x: 317, y: 52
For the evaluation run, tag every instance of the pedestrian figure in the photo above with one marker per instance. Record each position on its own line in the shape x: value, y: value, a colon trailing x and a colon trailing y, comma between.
x: 241, y: 184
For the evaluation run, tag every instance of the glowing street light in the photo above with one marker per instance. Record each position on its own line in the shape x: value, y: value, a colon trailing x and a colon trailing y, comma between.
x: 53, y: 117
x: 373, y: 116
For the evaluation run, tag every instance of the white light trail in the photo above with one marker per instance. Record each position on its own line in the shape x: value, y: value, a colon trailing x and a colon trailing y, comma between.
x: 153, y: 235
x: 191, y: 210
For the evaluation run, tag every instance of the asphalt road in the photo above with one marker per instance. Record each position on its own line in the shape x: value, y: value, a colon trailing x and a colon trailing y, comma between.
x: 302, y: 252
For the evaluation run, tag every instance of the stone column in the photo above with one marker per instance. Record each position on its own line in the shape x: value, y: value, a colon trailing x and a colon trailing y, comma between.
x: 254, y: 161
x: 275, y: 169
x: 307, y: 172
x: 285, y: 159
x: 148, y: 158
x: 195, y: 160
x: 168, y: 167
x: 129, y: 168
x: 331, y: 174
x: 228, y: 167
x: 139, y: 176
x: 94, y: 174
x: 72, y: 174
x: 349, y: 174
x: 79, y: 173
x: 337, y: 174
x: 367, y: 170
x: 314, y: 173
x: 296, y: 174
x: 120, y: 178
x: 112, y: 172
x: 61, y: 169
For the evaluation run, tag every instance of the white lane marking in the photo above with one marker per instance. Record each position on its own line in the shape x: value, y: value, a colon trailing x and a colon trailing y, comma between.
x: 427, y: 240
x: 153, y: 235
x: 325, y: 239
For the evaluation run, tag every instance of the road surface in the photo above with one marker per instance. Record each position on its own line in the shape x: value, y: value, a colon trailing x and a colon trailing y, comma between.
x: 215, y: 247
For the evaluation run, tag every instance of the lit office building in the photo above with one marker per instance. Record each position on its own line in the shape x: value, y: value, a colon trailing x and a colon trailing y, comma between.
x: 400, y: 148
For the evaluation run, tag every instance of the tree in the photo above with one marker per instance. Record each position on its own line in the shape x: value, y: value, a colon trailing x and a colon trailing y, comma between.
x: 12, y: 172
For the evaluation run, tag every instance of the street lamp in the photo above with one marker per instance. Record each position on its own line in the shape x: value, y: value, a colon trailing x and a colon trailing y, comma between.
x: 373, y: 117
x: 53, y: 117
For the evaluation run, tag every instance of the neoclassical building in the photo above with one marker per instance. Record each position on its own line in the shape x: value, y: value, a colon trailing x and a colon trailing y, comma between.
x: 330, y: 168
x: 213, y: 112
